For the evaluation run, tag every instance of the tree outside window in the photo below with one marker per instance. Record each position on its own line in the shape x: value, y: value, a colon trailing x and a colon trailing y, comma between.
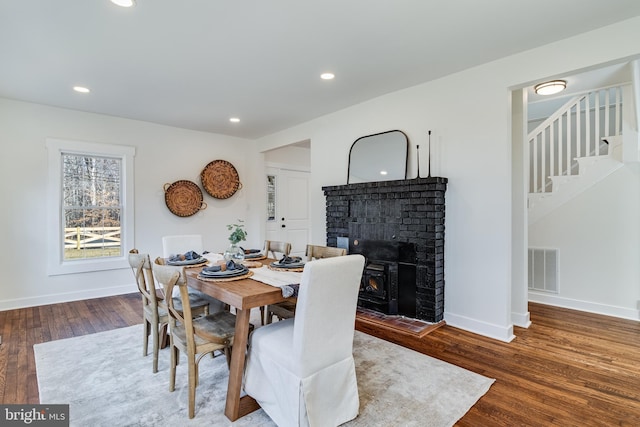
x: 92, y: 207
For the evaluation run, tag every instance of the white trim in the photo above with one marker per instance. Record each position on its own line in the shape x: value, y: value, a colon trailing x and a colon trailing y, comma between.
x: 478, y: 327
x: 521, y: 319
x: 287, y: 166
x: 591, y: 307
x: 13, y: 304
x: 55, y: 263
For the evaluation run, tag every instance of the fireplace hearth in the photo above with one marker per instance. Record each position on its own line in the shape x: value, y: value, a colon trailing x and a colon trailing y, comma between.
x: 399, y: 227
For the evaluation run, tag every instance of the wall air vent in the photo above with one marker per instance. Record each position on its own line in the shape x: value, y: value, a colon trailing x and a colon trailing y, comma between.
x: 543, y: 270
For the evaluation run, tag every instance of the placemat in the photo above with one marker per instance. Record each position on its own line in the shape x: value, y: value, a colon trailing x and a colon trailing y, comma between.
x: 225, y: 279
x: 296, y: 270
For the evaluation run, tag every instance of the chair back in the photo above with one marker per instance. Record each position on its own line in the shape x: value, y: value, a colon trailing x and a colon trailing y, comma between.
x: 179, y: 320
x: 275, y: 247
x: 141, y: 266
x: 319, y: 252
x: 180, y: 244
x: 326, y: 312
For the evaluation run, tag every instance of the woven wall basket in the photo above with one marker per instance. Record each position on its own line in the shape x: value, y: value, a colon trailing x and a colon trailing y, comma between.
x: 220, y: 179
x: 183, y: 198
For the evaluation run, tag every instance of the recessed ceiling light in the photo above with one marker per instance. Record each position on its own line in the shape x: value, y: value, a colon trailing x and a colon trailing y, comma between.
x: 234, y: 120
x: 550, y: 88
x: 81, y: 89
x: 327, y: 76
x: 124, y: 3
x: 383, y: 172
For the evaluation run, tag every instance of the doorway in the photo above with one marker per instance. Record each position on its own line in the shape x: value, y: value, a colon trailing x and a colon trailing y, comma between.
x: 288, y: 208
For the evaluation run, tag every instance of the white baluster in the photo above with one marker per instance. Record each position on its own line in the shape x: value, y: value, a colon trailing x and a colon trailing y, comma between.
x: 587, y: 126
x: 569, y: 141
x: 618, y: 109
x: 535, y: 164
x: 552, y: 149
x: 596, y: 118
x: 607, y: 129
x: 543, y: 161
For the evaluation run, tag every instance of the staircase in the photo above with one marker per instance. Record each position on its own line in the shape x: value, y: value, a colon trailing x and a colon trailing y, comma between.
x: 573, y: 149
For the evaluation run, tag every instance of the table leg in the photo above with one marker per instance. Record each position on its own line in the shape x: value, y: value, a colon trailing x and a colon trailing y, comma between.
x: 236, y: 370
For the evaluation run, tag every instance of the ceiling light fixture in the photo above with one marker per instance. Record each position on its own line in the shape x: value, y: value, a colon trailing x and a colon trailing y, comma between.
x: 550, y: 88
x: 81, y: 89
x: 124, y: 3
x: 234, y: 120
x: 327, y: 76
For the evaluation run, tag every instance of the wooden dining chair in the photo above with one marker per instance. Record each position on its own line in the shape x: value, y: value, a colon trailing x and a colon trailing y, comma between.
x: 277, y: 250
x: 302, y: 372
x: 154, y: 312
x: 287, y: 309
x: 154, y: 306
x: 195, y: 337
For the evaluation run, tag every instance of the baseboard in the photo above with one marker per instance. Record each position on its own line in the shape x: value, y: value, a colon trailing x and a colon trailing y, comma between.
x: 521, y: 319
x: 591, y: 307
x: 502, y: 333
x: 13, y: 304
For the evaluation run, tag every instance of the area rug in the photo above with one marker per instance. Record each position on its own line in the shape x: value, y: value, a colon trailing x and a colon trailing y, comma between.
x: 107, y: 382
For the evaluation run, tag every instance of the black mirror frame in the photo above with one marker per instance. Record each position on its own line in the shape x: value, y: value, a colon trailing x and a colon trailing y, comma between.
x: 406, y: 159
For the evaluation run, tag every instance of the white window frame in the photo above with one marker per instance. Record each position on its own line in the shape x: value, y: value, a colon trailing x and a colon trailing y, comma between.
x: 56, y: 264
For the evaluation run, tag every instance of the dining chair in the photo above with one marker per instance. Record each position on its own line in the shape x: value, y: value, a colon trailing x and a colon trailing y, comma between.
x: 183, y: 243
x: 301, y: 371
x: 154, y: 313
x: 154, y: 307
x: 287, y: 309
x: 180, y: 244
x: 277, y: 250
x: 195, y: 337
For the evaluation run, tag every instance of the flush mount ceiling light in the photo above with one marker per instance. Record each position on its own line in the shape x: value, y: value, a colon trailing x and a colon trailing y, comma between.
x: 549, y: 88
x: 124, y: 3
x: 81, y: 89
x: 327, y: 76
x: 234, y: 120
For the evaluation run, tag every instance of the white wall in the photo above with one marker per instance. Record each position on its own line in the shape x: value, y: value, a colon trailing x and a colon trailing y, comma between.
x: 163, y: 155
x: 597, y: 235
x: 468, y: 113
x: 470, y: 118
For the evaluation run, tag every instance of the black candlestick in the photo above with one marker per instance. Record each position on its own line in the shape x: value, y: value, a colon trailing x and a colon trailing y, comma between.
x: 429, y: 170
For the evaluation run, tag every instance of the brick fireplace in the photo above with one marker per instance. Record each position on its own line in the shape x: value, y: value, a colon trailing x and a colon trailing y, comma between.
x: 399, y: 227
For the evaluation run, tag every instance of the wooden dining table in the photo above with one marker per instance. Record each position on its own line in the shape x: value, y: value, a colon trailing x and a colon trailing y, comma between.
x: 243, y: 294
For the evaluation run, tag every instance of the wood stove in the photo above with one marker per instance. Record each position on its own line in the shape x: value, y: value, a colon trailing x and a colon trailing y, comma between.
x: 389, y: 276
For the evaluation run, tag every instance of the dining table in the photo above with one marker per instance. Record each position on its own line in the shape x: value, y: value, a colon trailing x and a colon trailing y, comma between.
x: 243, y: 295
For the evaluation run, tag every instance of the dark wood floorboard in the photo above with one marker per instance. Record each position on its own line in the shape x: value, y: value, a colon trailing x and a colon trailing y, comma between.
x: 569, y: 368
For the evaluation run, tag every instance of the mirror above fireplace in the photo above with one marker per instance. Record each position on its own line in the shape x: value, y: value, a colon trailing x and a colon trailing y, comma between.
x: 378, y: 157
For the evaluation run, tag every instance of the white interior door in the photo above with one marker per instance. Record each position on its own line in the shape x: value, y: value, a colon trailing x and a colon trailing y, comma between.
x: 289, y: 221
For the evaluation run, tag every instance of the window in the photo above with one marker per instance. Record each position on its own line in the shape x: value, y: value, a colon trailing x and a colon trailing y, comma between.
x: 271, y: 197
x: 90, y: 205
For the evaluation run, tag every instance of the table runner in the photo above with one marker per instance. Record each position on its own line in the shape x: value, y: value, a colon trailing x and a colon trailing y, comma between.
x: 288, y: 281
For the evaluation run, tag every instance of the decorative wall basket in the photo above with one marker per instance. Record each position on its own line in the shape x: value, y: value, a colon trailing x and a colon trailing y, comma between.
x: 184, y: 198
x: 220, y: 179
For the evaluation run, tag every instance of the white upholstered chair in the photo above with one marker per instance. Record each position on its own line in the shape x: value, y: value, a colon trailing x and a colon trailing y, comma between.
x: 180, y: 244
x: 301, y: 370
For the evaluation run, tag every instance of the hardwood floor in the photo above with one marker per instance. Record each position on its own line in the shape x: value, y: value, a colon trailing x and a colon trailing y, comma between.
x: 568, y: 369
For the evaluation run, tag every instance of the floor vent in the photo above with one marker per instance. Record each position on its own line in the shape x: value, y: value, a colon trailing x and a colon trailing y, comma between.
x: 543, y: 270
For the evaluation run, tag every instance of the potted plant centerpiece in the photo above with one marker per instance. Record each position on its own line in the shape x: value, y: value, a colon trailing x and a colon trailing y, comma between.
x: 238, y: 234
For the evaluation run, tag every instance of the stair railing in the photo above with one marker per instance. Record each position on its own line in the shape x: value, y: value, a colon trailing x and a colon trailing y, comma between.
x: 575, y: 130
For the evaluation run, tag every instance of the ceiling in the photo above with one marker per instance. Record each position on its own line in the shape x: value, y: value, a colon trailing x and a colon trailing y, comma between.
x: 194, y: 64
